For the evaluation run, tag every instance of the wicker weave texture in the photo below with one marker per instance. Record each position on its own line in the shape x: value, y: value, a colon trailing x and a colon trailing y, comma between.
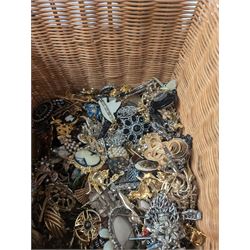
x: 78, y: 44
x: 197, y: 77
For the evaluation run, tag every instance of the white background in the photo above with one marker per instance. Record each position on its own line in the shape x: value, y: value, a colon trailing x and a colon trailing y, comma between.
x: 15, y: 138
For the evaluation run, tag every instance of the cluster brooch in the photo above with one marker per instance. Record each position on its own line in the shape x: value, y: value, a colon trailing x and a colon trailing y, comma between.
x: 111, y: 170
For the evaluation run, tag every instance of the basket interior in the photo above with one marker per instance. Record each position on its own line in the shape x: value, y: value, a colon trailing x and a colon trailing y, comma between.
x: 92, y: 43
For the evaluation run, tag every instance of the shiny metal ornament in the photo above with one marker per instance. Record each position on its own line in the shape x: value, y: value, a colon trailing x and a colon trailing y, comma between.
x: 191, y: 214
x: 146, y: 98
x: 108, y: 107
x: 70, y: 118
x: 82, y: 138
x: 115, y: 177
x: 173, y: 154
x: 94, y: 145
x: 134, y: 150
x: 114, y: 152
x: 70, y: 145
x: 143, y: 192
x: 62, y: 196
x: 125, y: 89
x: 126, y: 186
x: 54, y: 222
x: 87, y: 225
x: 118, y: 164
x: 81, y: 195
x: 163, y: 221
x: 132, y: 127
x: 62, y: 129
x: 154, y: 149
x: 113, y: 92
x: 161, y: 130
x: 130, y: 175
x: 44, y: 173
x: 134, y: 217
x: 196, y: 237
x: 146, y: 165
x: 179, y: 150
x: 180, y: 187
x: 117, y: 139
x: 126, y: 111
x: 98, y: 180
x: 102, y: 203
x: 171, y: 120
x: 92, y: 127
x: 120, y: 228
x: 151, y: 185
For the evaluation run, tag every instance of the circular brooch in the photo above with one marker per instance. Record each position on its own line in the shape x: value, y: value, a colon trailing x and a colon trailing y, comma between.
x: 87, y: 225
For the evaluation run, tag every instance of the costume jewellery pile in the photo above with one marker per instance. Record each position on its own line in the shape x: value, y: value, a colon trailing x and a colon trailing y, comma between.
x: 111, y: 170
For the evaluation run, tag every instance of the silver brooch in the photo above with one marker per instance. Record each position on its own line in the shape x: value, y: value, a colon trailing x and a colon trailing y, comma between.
x: 191, y: 214
x: 132, y: 124
x: 126, y: 111
x: 163, y: 221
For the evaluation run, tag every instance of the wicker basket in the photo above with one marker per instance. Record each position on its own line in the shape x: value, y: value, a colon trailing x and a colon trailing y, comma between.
x: 78, y: 44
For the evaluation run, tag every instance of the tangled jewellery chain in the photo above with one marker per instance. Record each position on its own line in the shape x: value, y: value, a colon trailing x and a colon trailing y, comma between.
x: 111, y: 170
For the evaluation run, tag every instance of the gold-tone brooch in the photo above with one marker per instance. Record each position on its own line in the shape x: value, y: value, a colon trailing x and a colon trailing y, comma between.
x: 61, y: 128
x: 87, y: 225
x: 54, y: 222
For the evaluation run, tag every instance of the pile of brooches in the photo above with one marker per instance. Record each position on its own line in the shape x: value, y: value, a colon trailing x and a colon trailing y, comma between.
x: 111, y: 170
